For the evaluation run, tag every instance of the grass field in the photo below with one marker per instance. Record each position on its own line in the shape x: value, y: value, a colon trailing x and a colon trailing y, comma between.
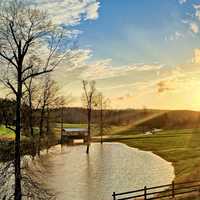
x: 65, y: 125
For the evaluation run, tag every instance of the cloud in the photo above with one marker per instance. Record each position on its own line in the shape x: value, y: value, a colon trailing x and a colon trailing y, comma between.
x: 196, y: 56
x: 194, y: 27
x: 76, y: 59
x: 69, y: 12
x: 175, y: 36
x: 163, y: 86
x: 197, y: 10
x: 104, y: 69
x: 182, y: 1
x: 80, y: 61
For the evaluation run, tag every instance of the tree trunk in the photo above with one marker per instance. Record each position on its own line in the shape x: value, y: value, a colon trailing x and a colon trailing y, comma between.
x: 31, y: 117
x: 48, y: 124
x: 101, y: 123
x: 41, y: 121
x: 31, y: 121
x: 89, y: 130
x: 18, y: 192
x: 47, y: 129
x: 62, y: 121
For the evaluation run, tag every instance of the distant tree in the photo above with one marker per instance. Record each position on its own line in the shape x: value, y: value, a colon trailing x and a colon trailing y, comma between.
x: 7, y: 112
x: 48, y: 99
x: 62, y: 103
x: 145, y: 110
x: 29, y: 99
x: 88, y: 99
x: 102, y: 105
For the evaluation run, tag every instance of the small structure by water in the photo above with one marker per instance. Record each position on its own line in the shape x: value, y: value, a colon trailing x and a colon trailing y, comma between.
x: 68, y: 135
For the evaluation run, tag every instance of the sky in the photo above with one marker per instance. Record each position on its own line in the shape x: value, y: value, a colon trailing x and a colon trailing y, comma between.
x: 141, y: 53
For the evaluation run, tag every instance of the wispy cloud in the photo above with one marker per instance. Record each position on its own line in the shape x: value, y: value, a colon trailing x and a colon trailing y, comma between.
x: 175, y: 36
x: 182, y: 1
x: 80, y: 59
x: 194, y: 27
x: 163, y: 86
x: 104, y: 69
x: 197, y: 10
x: 70, y: 12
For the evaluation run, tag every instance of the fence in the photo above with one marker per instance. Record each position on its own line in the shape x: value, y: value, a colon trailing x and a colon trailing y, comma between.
x: 168, y: 190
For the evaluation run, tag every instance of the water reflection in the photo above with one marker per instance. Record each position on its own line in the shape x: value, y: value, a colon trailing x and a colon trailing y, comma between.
x: 74, y: 175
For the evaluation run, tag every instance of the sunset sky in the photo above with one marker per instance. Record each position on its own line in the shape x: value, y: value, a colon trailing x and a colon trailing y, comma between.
x: 140, y: 52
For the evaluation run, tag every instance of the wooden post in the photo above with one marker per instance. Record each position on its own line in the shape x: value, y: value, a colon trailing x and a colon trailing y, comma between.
x: 173, y: 189
x: 145, y: 193
x: 114, y: 196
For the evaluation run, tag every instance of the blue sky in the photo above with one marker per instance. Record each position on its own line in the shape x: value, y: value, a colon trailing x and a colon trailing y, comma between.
x: 137, y: 30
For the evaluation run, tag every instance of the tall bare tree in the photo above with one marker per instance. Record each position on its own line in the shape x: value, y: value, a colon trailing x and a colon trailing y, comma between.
x: 29, y: 100
x: 88, y: 99
x: 102, y: 105
x: 24, y: 32
x: 61, y: 104
x: 48, y: 99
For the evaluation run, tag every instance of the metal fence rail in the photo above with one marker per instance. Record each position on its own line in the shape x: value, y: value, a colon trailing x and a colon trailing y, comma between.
x: 168, y: 190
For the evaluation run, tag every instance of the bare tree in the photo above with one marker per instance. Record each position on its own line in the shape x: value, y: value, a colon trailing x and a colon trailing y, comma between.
x: 48, y: 99
x: 88, y: 99
x: 102, y: 105
x: 24, y: 32
x: 29, y: 100
x: 62, y: 103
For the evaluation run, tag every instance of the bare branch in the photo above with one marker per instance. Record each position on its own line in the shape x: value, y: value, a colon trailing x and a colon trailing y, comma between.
x: 8, y: 59
x: 37, y: 74
x: 11, y: 24
x: 9, y: 85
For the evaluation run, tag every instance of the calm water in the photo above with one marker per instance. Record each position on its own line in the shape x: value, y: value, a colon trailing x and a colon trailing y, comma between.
x: 73, y: 175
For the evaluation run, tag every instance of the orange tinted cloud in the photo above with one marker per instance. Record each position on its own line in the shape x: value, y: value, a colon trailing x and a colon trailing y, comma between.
x: 163, y: 86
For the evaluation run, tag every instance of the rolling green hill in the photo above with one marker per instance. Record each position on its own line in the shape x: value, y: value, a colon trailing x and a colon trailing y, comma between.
x: 171, y: 120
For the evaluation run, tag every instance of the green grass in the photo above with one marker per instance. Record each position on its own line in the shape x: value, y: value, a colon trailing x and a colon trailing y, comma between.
x: 6, y: 134
x: 65, y: 125
x: 5, y: 131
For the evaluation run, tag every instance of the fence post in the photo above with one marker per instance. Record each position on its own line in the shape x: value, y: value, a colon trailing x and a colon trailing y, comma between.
x: 173, y: 189
x: 145, y: 193
x: 114, y: 196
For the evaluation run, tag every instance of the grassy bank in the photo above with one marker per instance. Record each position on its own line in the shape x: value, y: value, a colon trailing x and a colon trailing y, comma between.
x: 6, y: 134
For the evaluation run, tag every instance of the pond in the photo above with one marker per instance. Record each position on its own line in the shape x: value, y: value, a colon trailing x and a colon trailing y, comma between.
x: 74, y: 175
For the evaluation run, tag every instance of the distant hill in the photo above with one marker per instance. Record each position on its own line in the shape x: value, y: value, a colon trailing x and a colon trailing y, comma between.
x: 135, y: 118
x: 172, y: 119
x: 116, y: 117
